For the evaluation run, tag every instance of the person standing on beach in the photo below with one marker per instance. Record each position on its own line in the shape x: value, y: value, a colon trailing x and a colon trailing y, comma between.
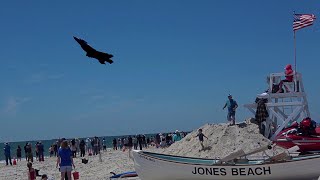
x: 19, y: 153
x: 158, y: 140
x: 104, y: 146
x: 55, y: 148
x: 82, y: 147
x: 64, y: 160
x: 74, y: 148
x: 140, y: 141
x: 7, y: 153
x: 201, y: 135
x: 25, y: 151
x: 88, y: 145
x: 114, y: 142
x: 135, y: 142
x: 37, y: 150
x: 41, y: 151
x: 29, y: 152
x: 96, y: 144
x: 232, y: 106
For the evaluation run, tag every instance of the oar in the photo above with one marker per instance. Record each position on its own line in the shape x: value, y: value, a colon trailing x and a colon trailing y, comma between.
x: 279, y: 157
x: 263, y: 148
x: 241, y: 153
x: 232, y: 156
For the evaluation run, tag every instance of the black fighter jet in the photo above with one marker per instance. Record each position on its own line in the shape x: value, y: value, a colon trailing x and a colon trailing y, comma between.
x: 92, y: 53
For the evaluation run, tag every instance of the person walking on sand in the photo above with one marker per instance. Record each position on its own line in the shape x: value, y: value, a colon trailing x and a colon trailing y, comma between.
x: 232, y: 106
x: 201, y: 135
x: 64, y: 160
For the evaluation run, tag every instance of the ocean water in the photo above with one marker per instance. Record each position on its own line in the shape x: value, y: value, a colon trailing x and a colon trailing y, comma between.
x: 48, y: 143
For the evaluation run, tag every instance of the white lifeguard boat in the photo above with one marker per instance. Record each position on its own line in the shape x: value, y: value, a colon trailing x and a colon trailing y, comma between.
x: 153, y: 166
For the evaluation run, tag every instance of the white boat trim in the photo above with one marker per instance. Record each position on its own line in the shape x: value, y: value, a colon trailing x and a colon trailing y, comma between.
x: 150, y: 166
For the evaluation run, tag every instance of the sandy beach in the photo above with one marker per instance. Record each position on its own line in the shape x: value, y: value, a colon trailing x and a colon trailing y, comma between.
x: 222, y: 141
x: 112, y: 161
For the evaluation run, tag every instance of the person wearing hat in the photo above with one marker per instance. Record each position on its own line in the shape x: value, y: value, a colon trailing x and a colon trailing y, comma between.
x: 7, y: 154
x: 232, y: 106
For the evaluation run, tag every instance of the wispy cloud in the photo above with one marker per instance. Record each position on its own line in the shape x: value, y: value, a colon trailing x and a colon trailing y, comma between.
x: 13, y: 103
x: 42, y: 76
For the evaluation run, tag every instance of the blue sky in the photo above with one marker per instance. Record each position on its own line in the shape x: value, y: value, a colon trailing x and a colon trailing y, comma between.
x: 174, y: 63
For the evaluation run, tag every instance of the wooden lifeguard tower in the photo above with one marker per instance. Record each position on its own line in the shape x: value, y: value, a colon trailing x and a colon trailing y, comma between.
x: 283, y: 108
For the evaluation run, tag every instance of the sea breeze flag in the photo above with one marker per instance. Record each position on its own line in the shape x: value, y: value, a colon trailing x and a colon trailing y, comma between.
x: 302, y: 20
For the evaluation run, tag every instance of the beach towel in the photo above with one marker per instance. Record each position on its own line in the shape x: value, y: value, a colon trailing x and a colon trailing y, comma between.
x: 125, y: 174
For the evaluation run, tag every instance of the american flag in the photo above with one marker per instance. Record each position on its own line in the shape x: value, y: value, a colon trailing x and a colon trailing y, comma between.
x: 302, y: 20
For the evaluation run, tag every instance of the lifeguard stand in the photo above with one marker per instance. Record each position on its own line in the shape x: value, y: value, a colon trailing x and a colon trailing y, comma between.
x: 283, y: 108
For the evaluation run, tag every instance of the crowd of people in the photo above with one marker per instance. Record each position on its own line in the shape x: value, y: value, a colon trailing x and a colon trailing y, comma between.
x: 91, y: 146
x: 66, y: 150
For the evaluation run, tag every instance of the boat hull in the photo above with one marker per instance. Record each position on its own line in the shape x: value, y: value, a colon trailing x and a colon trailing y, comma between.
x: 154, y: 168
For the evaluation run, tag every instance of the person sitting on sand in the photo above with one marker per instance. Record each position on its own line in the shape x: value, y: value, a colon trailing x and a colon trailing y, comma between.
x: 44, y: 177
x: 201, y: 135
x: 31, y: 172
x: 65, y: 160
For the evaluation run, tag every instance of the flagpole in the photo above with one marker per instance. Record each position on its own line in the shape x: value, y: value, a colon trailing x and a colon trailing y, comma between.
x: 296, y: 87
x: 295, y: 48
x: 295, y: 51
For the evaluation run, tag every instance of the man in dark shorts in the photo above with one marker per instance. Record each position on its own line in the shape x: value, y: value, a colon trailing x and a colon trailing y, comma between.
x: 232, y: 106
